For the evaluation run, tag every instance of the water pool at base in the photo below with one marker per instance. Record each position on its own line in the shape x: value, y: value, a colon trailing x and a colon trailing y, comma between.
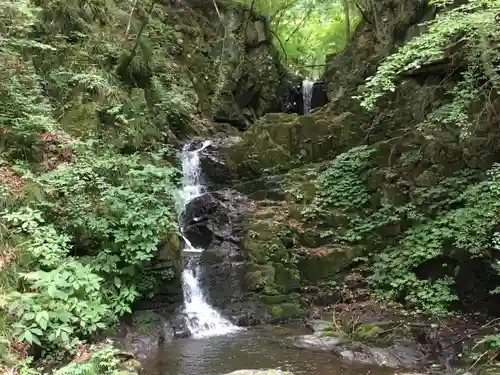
x: 255, y: 348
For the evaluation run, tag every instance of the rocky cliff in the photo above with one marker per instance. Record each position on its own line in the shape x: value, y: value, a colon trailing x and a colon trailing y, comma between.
x: 345, y: 200
x: 158, y: 71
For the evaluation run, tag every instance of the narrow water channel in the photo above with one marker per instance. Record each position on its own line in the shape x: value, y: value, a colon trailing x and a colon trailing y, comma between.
x: 255, y: 348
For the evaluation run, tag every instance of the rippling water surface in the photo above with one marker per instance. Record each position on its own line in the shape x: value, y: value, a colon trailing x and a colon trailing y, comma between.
x: 251, y: 349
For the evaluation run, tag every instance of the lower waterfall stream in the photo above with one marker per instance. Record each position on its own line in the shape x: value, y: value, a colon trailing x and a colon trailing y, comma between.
x: 215, y: 345
x: 201, y: 319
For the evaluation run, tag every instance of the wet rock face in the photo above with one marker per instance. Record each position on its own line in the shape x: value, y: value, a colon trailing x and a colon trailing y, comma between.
x: 319, y: 94
x: 217, y: 221
x: 213, y: 221
x: 290, y: 95
x: 146, y: 330
x: 215, y: 166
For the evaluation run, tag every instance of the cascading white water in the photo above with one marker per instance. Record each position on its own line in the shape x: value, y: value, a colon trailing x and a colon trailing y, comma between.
x: 307, y: 90
x: 201, y: 319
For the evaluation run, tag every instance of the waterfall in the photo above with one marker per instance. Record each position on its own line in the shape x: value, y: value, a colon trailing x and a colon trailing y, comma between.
x: 201, y: 319
x: 307, y: 91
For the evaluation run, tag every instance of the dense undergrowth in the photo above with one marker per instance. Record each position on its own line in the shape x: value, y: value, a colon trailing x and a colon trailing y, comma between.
x: 86, y: 193
x: 410, y: 203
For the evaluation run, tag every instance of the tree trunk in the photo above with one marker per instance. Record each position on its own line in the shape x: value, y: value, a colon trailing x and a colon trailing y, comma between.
x: 347, y: 14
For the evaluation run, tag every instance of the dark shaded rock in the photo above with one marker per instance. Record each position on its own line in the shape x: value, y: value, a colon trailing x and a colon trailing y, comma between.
x: 213, y: 218
x: 326, y: 262
x: 319, y: 94
x: 213, y: 221
x: 264, y: 188
x: 224, y: 282
x: 178, y: 326
x: 146, y: 330
x: 246, y: 313
x: 290, y: 95
x: 474, y: 279
x: 326, y: 297
x: 256, y: 33
x: 217, y: 170
x: 157, y: 285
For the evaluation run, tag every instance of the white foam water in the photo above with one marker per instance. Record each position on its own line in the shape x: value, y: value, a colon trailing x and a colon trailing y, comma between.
x: 307, y: 90
x: 202, y: 320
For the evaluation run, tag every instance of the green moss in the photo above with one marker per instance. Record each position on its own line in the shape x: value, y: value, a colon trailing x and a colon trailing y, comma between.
x: 287, y: 310
x: 277, y: 311
x: 286, y: 279
x: 367, y: 331
x: 327, y: 262
x: 273, y: 299
x: 328, y: 333
x: 261, y: 277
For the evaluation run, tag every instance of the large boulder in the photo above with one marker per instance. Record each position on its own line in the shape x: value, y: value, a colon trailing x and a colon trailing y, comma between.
x: 213, y: 221
x: 319, y: 94
x: 326, y: 338
x: 214, y: 218
x: 216, y: 167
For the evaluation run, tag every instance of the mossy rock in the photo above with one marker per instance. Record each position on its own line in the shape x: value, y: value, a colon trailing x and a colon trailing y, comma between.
x: 131, y: 366
x: 147, y: 322
x: 261, y: 230
x: 259, y: 277
x: 427, y: 179
x: 326, y: 262
x: 287, y: 310
x: 313, y: 238
x: 281, y: 142
x: 367, y: 331
x: 274, y: 299
x: 286, y: 279
x: 394, y: 195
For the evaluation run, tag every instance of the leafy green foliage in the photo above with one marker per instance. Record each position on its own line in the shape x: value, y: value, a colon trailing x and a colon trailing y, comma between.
x: 468, y: 227
x: 23, y: 110
x: 401, y: 235
x: 462, y: 33
x: 447, y: 217
x: 111, y: 212
x: 66, y: 303
x: 341, y: 186
x: 103, y: 361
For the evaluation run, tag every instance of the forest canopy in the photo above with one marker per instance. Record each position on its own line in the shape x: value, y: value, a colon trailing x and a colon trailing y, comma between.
x: 307, y: 30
